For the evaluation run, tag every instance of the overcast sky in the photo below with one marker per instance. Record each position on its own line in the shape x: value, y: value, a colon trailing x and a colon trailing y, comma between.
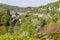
x: 26, y: 3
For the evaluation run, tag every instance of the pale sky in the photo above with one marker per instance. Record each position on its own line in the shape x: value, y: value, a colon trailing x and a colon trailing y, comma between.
x: 26, y: 3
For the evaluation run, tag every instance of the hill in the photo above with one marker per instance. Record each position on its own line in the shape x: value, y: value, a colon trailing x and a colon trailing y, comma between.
x: 29, y: 21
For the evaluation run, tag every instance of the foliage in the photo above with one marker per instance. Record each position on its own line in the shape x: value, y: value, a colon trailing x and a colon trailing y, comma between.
x: 30, y: 24
x: 3, y: 30
x: 12, y: 37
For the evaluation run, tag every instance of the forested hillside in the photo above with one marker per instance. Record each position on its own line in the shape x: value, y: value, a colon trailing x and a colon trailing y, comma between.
x: 30, y: 23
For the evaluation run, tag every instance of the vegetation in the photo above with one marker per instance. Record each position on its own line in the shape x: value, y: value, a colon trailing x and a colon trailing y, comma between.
x: 17, y: 23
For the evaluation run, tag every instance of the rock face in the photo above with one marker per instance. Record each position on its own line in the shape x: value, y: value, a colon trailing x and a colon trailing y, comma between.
x: 46, y: 30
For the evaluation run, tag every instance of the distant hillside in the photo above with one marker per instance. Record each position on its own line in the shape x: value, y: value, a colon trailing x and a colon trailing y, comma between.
x: 39, y: 9
x: 8, y: 6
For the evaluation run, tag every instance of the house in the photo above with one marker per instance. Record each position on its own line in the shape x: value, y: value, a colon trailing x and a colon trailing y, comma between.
x: 58, y: 9
x: 12, y: 13
x: 38, y: 14
x: 22, y: 13
x: 15, y: 16
x: 50, y: 7
x: 20, y: 20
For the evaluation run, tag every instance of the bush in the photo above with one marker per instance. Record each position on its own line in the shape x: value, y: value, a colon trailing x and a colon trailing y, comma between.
x: 12, y: 37
x: 2, y: 30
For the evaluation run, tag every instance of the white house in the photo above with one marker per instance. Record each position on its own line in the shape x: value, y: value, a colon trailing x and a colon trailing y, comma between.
x: 20, y: 20
x: 58, y: 9
x: 21, y: 13
x: 50, y: 7
x: 12, y: 13
x: 38, y: 14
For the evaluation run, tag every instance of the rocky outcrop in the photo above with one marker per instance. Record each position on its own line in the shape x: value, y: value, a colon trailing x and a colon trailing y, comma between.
x: 47, y: 30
